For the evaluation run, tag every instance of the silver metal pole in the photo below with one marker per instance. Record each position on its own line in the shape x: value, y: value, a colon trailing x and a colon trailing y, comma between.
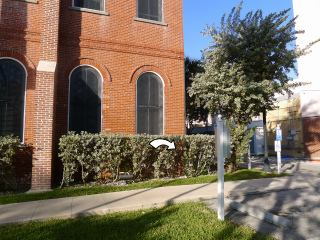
x: 279, y: 161
x: 220, y: 169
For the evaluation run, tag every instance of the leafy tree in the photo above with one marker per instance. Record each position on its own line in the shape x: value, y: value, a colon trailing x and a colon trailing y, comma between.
x: 194, y: 112
x: 247, y: 64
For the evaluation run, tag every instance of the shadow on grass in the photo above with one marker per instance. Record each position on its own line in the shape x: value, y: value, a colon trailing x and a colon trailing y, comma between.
x: 251, y: 174
x: 182, y: 221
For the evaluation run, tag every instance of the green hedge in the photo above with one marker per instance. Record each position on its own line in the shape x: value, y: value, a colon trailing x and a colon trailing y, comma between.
x: 8, y: 147
x: 102, y: 154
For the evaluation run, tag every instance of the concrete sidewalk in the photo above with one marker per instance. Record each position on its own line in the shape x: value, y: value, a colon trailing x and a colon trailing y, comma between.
x: 157, y: 197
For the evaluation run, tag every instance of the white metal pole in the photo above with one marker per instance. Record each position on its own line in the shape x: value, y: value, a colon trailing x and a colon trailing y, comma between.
x: 279, y: 161
x: 279, y: 155
x: 220, y: 169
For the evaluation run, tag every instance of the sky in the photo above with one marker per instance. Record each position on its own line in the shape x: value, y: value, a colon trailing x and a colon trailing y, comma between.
x: 198, y: 13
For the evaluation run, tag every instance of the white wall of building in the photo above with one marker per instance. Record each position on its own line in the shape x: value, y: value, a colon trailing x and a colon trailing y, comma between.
x: 310, y: 103
x: 258, y: 140
x: 308, y: 65
x: 308, y: 20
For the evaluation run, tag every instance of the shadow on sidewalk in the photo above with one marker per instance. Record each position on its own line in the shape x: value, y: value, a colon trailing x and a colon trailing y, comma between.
x: 277, y: 203
x: 130, y: 198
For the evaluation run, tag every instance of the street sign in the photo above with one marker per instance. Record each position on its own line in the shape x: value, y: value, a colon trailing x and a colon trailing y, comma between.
x: 279, y: 134
x: 277, y: 146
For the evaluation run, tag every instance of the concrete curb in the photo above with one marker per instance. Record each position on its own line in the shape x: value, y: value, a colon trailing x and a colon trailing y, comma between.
x: 255, y: 212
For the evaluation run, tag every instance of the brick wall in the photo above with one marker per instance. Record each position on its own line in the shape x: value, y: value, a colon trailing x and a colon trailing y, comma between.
x: 19, y: 40
x: 121, y: 49
x: 311, y: 135
x: 117, y: 45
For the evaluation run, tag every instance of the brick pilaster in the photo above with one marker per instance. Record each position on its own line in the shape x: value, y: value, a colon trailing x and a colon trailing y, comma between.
x: 44, y: 96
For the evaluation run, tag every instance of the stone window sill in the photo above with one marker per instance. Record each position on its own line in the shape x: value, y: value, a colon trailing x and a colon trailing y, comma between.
x: 89, y: 10
x: 150, y: 21
x: 29, y: 1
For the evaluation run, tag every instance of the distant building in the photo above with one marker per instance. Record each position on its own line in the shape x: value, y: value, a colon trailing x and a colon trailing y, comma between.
x: 299, y: 115
x: 203, y: 127
x: 288, y: 116
x: 257, y: 140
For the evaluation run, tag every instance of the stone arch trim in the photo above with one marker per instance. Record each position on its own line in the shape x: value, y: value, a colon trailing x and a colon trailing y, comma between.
x: 27, y: 62
x: 150, y: 68
x: 87, y: 61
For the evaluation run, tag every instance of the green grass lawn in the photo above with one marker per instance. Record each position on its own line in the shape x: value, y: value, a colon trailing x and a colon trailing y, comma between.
x: 180, y: 221
x: 71, y: 192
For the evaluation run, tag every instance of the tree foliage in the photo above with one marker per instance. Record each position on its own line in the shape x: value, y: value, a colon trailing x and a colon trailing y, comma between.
x: 247, y: 64
x: 194, y: 111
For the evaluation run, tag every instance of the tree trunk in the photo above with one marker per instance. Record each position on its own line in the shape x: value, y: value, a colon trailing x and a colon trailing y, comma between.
x: 266, y: 163
x: 232, y: 167
x: 233, y: 162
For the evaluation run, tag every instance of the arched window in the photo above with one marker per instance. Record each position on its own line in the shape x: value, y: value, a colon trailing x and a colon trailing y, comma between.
x: 85, y: 100
x: 12, y: 95
x: 149, y: 104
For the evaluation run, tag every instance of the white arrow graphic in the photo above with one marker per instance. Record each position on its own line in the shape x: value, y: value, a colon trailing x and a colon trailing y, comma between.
x: 158, y: 142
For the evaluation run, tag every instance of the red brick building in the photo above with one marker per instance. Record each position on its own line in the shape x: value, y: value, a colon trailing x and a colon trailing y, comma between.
x: 88, y: 65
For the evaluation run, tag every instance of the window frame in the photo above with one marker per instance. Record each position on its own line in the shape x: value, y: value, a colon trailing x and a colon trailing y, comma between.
x: 85, y: 65
x: 147, y: 19
x: 101, y: 10
x: 25, y: 95
x: 163, y: 102
x: 29, y: 1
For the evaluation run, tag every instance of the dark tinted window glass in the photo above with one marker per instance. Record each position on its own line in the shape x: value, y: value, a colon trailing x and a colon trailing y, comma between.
x: 149, y: 104
x: 143, y: 8
x: 91, y: 4
x: 12, y: 92
x: 85, y: 100
x: 150, y: 9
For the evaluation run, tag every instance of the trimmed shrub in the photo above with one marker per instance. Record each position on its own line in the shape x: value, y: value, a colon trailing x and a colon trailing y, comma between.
x: 8, y: 147
x: 99, y: 154
x: 69, y: 149
x: 198, y: 154
x: 141, y: 150
x: 91, y: 153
